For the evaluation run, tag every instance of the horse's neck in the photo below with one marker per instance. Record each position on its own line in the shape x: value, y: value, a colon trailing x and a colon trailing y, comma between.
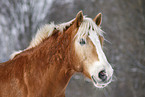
x: 50, y: 66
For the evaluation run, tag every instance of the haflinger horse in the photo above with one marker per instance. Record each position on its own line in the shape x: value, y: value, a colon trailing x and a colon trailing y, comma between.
x: 45, y: 67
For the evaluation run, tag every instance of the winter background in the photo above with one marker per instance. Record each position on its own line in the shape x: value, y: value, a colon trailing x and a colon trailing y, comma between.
x: 123, y: 22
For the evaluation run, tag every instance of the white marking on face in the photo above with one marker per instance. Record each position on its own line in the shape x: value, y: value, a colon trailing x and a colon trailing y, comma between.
x: 102, y: 64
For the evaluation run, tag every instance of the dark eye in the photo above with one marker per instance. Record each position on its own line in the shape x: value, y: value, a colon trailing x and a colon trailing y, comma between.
x: 82, y: 42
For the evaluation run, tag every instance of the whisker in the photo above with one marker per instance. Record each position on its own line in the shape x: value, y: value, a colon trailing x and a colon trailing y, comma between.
x: 106, y: 93
x: 107, y: 41
x: 114, y: 78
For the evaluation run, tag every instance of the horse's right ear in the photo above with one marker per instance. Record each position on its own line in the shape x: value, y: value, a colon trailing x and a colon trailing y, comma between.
x: 79, y: 18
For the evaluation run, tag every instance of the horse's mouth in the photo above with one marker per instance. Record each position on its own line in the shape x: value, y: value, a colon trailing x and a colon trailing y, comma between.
x: 98, y: 84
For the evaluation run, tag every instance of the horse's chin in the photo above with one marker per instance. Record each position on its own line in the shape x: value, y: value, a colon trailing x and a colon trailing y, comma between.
x: 100, y: 85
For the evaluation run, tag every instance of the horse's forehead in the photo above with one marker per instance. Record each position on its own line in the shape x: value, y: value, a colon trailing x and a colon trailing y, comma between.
x: 88, y: 26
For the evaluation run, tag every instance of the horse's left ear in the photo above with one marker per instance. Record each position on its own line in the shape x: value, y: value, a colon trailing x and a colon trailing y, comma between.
x: 98, y: 19
x: 79, y: 18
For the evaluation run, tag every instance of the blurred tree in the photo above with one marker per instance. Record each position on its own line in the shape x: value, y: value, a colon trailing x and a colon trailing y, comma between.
x: 20, y: 19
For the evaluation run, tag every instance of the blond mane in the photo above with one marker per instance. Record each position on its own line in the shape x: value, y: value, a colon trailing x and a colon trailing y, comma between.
x: 48, y: 29
x: 43, y: 33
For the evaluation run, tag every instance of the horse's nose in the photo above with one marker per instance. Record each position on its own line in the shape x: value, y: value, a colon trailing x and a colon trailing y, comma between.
x: 102, y: 75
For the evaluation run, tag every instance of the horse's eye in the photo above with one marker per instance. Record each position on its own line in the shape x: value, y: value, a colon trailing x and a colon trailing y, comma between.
x: 82, y: 42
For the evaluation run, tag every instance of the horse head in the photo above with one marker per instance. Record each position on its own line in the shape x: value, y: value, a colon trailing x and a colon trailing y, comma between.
x: 88, y: 50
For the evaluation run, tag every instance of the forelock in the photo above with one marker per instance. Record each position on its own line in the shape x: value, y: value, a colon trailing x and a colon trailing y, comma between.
x: 88, y: 26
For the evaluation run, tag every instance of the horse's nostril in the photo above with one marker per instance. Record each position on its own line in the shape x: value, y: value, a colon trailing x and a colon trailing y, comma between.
x: 102, y: 75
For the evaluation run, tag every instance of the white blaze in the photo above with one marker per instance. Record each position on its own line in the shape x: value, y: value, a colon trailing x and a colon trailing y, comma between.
x: 102, y: 64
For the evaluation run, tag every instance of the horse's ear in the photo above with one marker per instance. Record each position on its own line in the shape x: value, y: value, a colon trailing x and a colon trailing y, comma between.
x: 79, y: 18
x: 98, y: 19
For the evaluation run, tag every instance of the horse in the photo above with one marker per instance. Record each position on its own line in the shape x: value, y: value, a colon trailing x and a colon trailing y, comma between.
x: 57, y: 52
